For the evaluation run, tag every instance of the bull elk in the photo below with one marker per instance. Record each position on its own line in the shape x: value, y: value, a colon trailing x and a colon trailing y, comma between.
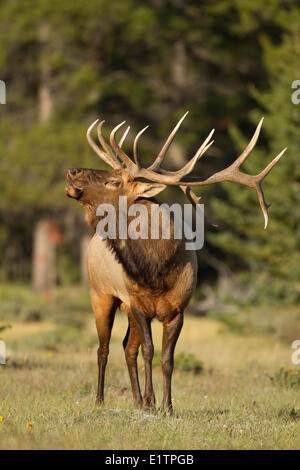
x: 145, y: 278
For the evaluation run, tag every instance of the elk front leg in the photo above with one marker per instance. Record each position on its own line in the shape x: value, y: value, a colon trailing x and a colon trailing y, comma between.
x: 171, y: 332
x: 143, y: 326
x: 131, y: 346
x: 104, y: 307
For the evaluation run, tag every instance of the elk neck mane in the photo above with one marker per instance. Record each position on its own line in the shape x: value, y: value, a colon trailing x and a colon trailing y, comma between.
x: 151, y: 263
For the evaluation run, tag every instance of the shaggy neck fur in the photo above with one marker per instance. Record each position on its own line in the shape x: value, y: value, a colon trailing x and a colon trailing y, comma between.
x: 148, y: 262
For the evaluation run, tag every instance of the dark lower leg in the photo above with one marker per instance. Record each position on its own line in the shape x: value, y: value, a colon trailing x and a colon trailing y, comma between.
x: 148, y: 352
x: 102, y: 361
x: 143, y: 325
x: 131, y: 345
x: 171, y: 333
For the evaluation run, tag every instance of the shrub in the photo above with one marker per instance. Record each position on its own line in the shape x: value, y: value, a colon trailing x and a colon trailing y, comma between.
x: 183, y: 362
x: 287, y: 378
x: 188, y: 363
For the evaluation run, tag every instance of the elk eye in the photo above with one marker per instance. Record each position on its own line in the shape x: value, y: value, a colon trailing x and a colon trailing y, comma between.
x: 115, y: 183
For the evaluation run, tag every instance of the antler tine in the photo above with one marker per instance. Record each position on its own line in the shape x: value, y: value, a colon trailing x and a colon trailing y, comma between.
x: 156, y: 164
x: 124, y: 137
x: 105, y: 157
x: 189, y: 166
x: 115, y: 163
x: 259, y: 178
x: 180, y: 178
x: 269, y: 167
x: 264, y: 206
x: 121, y: 154
x: 194, y: 199
x: 121, y: 142
x: 233, y: 173
x: 236, y: 176
x: 135, y: 150
x: 240, y: 160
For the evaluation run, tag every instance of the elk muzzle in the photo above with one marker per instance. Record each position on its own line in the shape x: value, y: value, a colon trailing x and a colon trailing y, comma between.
x: 73, y: 190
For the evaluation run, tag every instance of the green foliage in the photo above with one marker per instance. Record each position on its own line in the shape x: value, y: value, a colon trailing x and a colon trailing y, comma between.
x: 289, y: 413
x: 188, y: 363
x: 231, y: 320
x: 269, y: 259
x: 227, y: 62
x: 56, y: 340
x: 68, y: 269
x: 287, y: 378
x: 3, y: 328
x: 182, y: 362
x: 66, y: 306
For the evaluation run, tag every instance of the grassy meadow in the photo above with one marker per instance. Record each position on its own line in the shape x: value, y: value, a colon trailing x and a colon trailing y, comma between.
x: 234, y: 386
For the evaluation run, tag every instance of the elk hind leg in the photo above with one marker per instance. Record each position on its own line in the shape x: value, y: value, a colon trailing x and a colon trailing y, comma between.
x: 171, y: 332
x: 131, y: 345
x: 143, y: 326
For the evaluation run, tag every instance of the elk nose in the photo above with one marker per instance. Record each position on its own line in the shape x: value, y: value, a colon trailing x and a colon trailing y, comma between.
x: 74, y: 171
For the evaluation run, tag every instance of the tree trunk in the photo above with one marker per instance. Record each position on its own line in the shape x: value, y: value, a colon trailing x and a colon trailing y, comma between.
x: 44, y: 93
x: 179, y: 65
x: 44, y: 258
x: 179, y: 79
x: 44, y: 270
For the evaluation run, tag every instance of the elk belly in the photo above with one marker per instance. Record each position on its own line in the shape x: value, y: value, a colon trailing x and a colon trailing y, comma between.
x: 106, y: 274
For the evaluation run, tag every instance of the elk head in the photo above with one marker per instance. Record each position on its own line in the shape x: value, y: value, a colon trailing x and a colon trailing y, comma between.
x: 128, y: 178
x: 94, y: 187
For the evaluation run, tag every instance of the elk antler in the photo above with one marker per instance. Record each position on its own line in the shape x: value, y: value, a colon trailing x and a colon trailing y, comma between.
x: 180, y: 177
x: 108, y: 156
x: 115, y: 161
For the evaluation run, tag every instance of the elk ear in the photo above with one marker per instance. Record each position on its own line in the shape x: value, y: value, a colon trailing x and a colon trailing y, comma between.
x: 149, y: 189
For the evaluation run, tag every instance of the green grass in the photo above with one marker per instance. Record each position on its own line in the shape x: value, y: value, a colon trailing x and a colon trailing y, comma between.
x: 228, y: 390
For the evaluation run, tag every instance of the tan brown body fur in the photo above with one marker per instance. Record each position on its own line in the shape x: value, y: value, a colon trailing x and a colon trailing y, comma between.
x: 151, y: 277
x: 145, y: 278
x: 108, y: 276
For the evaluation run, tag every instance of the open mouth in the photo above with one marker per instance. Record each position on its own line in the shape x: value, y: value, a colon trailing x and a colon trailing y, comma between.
x: 71, y: 189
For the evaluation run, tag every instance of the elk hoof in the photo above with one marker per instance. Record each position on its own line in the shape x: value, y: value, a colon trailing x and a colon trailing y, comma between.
x: 148, y: 403
x: 99, y: 401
